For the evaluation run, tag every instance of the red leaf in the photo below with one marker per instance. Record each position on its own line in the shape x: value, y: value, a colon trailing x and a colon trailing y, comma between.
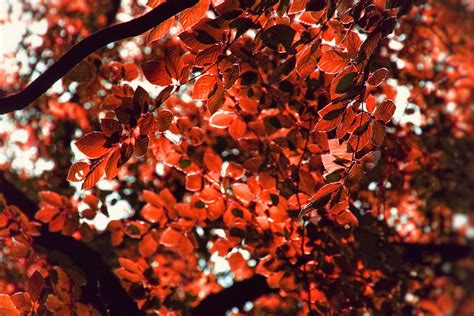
x: 22, y: 301
x: 234, y: 171
x: 170, y: 237
x: 154, y: 3
x: 213, y: 162
x: 352, y: 43
x: 51, y: 198
x: 46, y: 214
x: 78, y: 171
x: 92, y: 145
x: 376, y: 78
x: 36, y: 285
x: 131, y: 71
x: 152, y: 213
x: 370, y: 103
x: 307, y: 61
x: 141, y: 146
x: 237, y: 128
x: 242, y: 193
x: 173, y: 63
x: 384, y: 111
x: 155, y: 72
x: 94, y: 175
x: 147, y: 246
x: 346, y: 218
x: 222, y: 119
x: 194, y: 181
x: 208, y: 56
x: 147, y: 124
x: 370, y: 160
x: 57, y: 223
x: 332, y: 62
x: 191, y: 16
x: 7, y: 308
x: 159, y: 31
x: 110, y: 126
x: 378, y: 133
x: 165, y: 117
x: 203, y: 87
x: 321, y: 198
x: 112, y: 166
x: 216, y: 97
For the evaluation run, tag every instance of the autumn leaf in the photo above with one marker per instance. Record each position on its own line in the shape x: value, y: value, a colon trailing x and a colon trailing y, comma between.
x: 78, y: 171
x: 191, y: 16
x: 159, y: 31
x: 92, y: 145
x: 332, y: 61
x: 156, y: 73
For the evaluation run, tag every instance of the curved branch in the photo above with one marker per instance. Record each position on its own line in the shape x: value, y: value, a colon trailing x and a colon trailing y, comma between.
x: 89, y: 45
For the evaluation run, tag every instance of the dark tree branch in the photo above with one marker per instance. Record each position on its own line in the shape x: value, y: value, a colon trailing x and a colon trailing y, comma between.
x: 89, y: 45
x: 236, y: 295
x: 89, y: 261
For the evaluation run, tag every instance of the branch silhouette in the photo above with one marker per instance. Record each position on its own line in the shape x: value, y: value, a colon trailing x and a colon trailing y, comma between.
x: 88, y: 46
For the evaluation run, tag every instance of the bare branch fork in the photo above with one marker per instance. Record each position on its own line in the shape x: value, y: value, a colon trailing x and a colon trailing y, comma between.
x: 88, y: 46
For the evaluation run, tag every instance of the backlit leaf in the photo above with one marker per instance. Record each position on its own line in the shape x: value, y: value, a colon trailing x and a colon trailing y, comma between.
x: 78, y: 171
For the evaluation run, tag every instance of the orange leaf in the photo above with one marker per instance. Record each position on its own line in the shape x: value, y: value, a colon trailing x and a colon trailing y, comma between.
x: 216, y: 97
x: 332, y: 62
x: 307, y: 61
x: 92, y: 145
x: 7, y: 308
x: 152, y: 213
x: 147, y: 246
x: 194, y: 181
x: 191, y: 16
x: 159, y: 31
x: 112, y: 168
x: 203, y: 87
x: 212, y: 162
x: 222, y: 119
x: 78, y: 171
x: 237, y: 128
x: 242, y: 193
x: 51, y: 198
x: 23, y: 302
x: 170, y: 237
x: 45, y: 214
x: 94, y: 175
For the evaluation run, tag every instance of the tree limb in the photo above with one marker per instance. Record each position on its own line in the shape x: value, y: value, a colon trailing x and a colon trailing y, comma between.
x: 89, y: 45
x: 236, y: 295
